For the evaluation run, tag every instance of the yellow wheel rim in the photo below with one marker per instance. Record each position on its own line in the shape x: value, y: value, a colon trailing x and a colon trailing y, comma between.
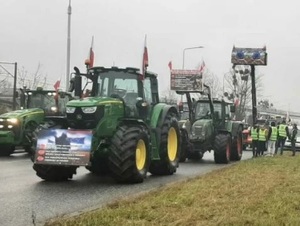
x: 140, y: 155
x: 172, y: 144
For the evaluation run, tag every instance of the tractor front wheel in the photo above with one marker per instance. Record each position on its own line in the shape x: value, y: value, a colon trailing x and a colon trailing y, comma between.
x: 169, y: 148
x: 222, y: 148
x: 6, y: 150
x: 129, y: 154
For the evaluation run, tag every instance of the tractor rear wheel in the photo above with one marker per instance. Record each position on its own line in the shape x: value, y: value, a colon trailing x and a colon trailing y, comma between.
x: 129, y: 154
x: 237, y: 146
x: 222, y: 148
x: 169, y: 148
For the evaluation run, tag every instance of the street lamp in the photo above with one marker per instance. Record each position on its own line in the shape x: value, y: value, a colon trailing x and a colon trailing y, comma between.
x: 196, y: 47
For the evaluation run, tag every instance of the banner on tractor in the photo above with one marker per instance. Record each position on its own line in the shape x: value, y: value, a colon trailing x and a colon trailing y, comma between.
x: 249, y: 56
x: 186, y: 80
x: 64, y: 147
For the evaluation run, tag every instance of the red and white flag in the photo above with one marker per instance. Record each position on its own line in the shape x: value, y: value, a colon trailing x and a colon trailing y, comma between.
x: 145, y: 62
x: 56, y: 85
x: 92, y: 55
x: 202, y: 66
x: 170, y: 65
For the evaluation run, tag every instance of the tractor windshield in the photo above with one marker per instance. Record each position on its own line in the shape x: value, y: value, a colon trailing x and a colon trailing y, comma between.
x: 118, y: 84
x: 202, y: 110
x: 47, y: 102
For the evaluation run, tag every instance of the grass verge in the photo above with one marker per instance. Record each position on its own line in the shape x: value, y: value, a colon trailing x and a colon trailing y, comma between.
x: 260, y: 191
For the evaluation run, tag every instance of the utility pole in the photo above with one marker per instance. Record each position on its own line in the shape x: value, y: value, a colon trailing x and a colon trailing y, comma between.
x: 68, y: 46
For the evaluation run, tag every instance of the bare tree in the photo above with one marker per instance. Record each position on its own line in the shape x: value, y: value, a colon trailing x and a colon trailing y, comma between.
x: 169, y: 96
x: 237, y: 86
x: 31, y: 81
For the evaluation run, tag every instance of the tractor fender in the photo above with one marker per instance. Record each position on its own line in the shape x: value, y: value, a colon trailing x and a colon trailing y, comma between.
x: 159, y: 113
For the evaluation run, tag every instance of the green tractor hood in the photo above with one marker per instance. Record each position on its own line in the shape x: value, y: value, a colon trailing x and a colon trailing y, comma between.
x: 202, y: 129
x: 21, y: 113
x: 93, y: 101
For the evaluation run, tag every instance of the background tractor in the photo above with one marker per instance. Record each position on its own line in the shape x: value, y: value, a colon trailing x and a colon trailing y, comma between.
x: 37, y: 106
x: 132, y: 133
x: 210, y: 127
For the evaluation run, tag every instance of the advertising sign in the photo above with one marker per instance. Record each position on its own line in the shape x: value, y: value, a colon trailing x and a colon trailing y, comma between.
x: 63, y: 147
x: 186, y: 80
x: 249, y: 56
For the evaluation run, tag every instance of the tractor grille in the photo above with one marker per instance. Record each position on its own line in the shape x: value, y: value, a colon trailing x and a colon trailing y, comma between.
x: 198, y: 130
x: 80, y: 120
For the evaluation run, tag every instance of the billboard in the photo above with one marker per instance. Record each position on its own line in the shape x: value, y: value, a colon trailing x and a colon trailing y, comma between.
x: 63, y: 147
x: 249, y: 56
x: 186, y: 80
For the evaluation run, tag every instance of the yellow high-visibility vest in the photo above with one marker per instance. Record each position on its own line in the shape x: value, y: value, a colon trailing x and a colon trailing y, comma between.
x: 254, y: 134
x: 274, y: 133
x: 262, y: 135
x: 282, y: 130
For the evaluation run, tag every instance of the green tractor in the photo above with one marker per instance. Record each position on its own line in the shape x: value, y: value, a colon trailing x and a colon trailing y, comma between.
x: 131, y: 133
x: 16, y: 127
x: 210, y: 127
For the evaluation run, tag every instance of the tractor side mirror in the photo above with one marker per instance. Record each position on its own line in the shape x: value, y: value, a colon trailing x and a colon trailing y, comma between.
x: 142, y: 107
x: 62, y: 95
x: 232, y: 108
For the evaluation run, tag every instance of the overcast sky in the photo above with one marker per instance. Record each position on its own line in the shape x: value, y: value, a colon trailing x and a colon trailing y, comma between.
x: 35, y: 31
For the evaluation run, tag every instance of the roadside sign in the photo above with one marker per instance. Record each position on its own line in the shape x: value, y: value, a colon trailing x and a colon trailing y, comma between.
x: 186, y: 80
x: 63, y: 147
x: 249, y: 56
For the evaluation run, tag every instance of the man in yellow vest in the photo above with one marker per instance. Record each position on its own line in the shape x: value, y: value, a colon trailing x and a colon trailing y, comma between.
x: 283, y: 133
x: 254, y: 135
x: 272, y: 139
x: 262, y: 138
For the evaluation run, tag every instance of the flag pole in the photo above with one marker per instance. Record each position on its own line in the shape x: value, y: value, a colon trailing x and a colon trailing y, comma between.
x: 68, y: 46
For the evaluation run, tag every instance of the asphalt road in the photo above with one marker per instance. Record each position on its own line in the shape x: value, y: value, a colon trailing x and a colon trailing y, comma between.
x: 25, y: 198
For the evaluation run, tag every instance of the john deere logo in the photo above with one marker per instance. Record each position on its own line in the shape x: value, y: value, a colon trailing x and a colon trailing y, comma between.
x: 79, y: 117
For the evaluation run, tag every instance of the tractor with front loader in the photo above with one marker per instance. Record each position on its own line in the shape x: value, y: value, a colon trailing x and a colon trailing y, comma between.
x: 37, y: 106
x: 210, y: 127
x: 120, y: 128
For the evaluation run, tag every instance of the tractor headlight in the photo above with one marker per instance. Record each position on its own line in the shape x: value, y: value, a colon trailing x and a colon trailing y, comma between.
x: 89, y: 110
x: 1, y: 126
x: 70, y: 110
x: 10, y: 126
x: 54, y: 109
x: 13, y: 120
x: 1, y: 120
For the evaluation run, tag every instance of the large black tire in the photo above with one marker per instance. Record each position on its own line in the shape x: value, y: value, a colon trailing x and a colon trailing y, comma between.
x: 222, y: 148
x: 169, y: 148
x: 54, y: 173
x: 184, y: 146
x: 129, y: 155
x: 237, y: 146
x: 6, y: 150
x: 29, y: 134
x: 50, y: 172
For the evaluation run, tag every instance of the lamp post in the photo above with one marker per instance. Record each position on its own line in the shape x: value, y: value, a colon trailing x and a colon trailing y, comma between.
x: 15, y: 82
x: 183, y: 54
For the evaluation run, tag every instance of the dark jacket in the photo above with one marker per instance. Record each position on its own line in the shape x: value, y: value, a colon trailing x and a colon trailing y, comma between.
x: 293, y: 136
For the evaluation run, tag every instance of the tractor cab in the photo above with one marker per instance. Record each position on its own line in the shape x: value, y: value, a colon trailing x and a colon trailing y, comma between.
x: 52, y: 102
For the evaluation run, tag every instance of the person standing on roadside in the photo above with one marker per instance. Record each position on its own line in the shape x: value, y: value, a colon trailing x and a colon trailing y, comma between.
x: 272, y: 139
x: 283, y: 133
x: 293, y: 138
x: 262, y: 138
x: 254, y: 136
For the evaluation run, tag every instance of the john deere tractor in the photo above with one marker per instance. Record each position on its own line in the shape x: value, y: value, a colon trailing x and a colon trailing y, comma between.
x: 132, y: 133
x: 16, y: 127
x: 210, y: 127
